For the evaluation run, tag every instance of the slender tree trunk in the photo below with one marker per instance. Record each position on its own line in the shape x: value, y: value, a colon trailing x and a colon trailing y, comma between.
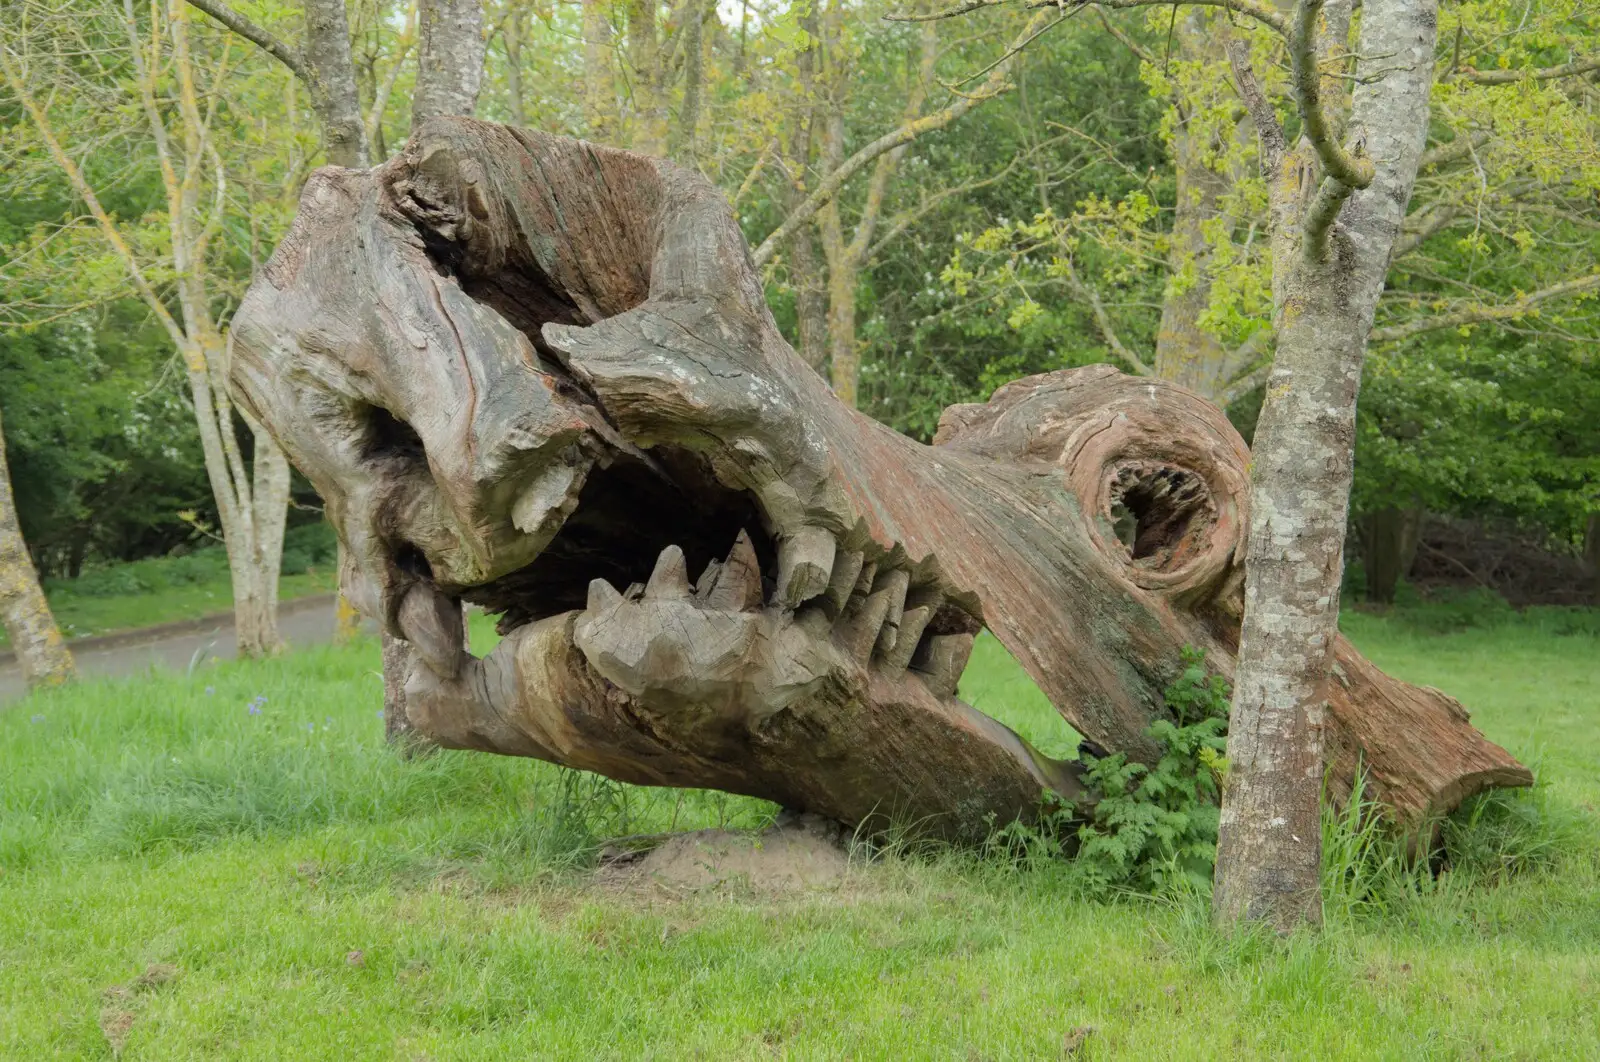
x: 648, y: 79
x: 1326, y: 293
x: 513, y: 37
x: 844, y: 354
x: 805, y: 267
x: 599, y: 86
x: 1591, y: 554
x: 333, y: 83
x: 1186, y: 353
x: 23, y: 608
x: 1388, y: 546
x: 682, y: 146
x: 810, y: 298
x: 450, y: 62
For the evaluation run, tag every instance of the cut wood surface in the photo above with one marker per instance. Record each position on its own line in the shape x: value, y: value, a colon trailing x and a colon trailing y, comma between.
x: 540, y: 375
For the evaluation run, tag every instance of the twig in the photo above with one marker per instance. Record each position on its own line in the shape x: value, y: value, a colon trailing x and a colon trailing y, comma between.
x: 287, y: 55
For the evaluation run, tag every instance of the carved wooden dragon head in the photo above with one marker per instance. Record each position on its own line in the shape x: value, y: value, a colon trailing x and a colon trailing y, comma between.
x: 541, y: 376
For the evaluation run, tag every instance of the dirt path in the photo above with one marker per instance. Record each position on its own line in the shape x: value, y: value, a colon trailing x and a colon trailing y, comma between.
x: 177, y: 646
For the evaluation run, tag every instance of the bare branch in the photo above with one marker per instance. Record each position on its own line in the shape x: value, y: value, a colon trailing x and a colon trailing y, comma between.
x: 831, y: 184
x: 1509, y: 77
x: 1268, y: 128
x: 1459, y: 148
x: 1127, y: 42
x: 1102, y: 320
x: 1245, y: 384
x: 286, y: 54
x: 1475, y: 315
x: 81, y: 186
x: 1435, y: 218
x: 1262, y: 13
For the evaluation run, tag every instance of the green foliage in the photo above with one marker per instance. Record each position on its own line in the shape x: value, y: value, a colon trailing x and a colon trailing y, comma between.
x: 1151, y: 830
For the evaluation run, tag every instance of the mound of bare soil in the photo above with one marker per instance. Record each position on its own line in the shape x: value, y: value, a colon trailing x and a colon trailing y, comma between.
x: 799, y: 853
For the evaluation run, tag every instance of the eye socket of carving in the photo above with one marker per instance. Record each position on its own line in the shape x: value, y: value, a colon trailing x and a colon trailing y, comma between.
x: 389, y: 437
x: 1167, y: 506
x: 1162, y: 514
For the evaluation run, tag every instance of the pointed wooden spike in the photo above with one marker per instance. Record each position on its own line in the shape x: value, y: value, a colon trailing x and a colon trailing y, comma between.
x: 869, y: 572
x: 857, y: 633
x: 707, y: 580
x: 894, y: 583
x: 738, y: 585
x: 805, y: 563
x: 942, y: 659
x: 846, y: 570
x: 912, y: 623
x: 602, y: 595
x: 670, y: 579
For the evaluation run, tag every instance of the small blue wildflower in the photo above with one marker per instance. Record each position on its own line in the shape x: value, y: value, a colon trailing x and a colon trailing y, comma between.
x: 37, y: 719
x: 211, y: 689
x: 311, y: 726
x: 255, y: 709
x: 380, y: 713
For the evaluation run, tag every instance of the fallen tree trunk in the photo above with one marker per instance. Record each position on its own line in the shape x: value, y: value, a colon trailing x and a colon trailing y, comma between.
x: 541, y: 376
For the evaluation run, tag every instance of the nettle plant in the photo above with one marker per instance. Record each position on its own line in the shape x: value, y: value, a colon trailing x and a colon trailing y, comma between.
x: 1154, y: 829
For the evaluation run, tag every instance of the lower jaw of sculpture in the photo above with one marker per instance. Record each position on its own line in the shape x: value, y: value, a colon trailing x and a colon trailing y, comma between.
x: 842, y: 703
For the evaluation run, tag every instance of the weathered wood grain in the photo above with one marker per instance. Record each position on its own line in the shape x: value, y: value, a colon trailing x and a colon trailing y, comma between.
x: 541, y: 375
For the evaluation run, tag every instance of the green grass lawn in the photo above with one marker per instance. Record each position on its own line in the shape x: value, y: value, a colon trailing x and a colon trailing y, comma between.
x: 181, y: 877
x: 145, y: 593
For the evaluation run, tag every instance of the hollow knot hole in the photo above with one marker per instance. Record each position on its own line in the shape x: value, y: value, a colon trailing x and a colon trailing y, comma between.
x: 1161, y: 514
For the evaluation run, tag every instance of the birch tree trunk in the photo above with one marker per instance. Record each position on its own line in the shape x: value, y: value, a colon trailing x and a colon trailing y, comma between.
x: 30, y: 626
x: 450, y: 62
x: 1329, y: 270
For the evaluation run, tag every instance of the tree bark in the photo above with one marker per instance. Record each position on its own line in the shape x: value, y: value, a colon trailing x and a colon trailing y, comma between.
x: 28, y: 622
x: 513, y: 39
x: 450, y: 59
x: 682, y: 145
x: 333, y: 83
x: 591, y: 406
x: 1389, y: 539
x: 1186, y: 353
x: 1326, y: 292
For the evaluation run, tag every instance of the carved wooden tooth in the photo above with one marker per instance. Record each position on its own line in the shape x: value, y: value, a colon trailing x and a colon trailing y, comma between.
x: 846, y: 570
x: 707, y: 580
x: 857, y: 633
x: 669, y: 581
x: 869, y: 572
x: 942, y: 660
x: 912, y: 622
x: 738, y: 582
x: 893, y: 582
x: 432, y: 623
x: 602, y: 596
x: 805, y: 563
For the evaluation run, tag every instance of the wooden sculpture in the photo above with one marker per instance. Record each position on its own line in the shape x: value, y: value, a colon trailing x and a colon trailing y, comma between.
x: 541, y: 376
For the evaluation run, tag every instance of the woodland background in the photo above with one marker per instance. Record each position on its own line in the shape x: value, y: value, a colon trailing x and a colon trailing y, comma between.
x: 1091, y: 197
